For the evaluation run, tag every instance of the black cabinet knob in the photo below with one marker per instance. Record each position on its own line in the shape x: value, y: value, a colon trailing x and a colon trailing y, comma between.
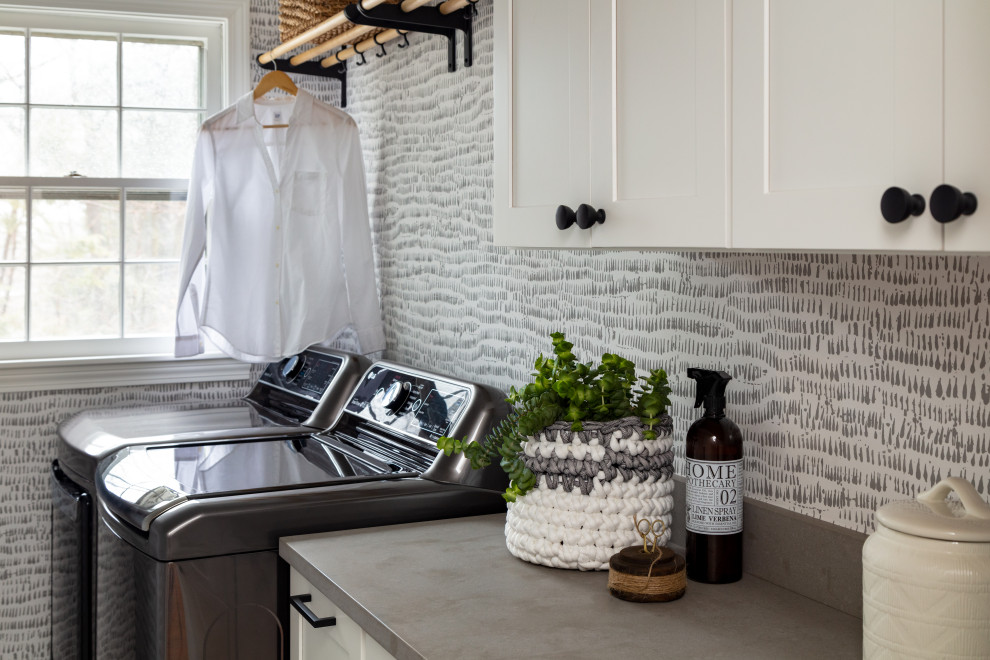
x: 948, y: 203
x: 585, y: 217
x: 565, y: 217
x: 898, y: 205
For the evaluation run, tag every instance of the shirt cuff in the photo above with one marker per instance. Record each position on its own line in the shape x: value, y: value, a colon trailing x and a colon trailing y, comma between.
x: 188, y: 345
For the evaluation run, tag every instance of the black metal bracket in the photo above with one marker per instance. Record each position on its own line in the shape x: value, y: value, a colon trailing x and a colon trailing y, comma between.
x: 337, y: 71
x: 422, y: 19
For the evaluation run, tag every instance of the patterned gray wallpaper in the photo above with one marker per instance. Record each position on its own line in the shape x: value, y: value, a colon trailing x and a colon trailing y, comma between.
x: 27, y: 446
x: 859, y: 378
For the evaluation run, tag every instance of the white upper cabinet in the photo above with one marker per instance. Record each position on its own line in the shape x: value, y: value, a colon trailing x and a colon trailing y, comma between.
x: 836, y: 102
x: 626, y: 105
x: 542, y: 119
x: 967, y: 119
x: 617, y: 104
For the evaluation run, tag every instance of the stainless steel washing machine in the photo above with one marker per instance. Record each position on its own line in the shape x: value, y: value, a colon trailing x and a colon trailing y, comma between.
x: 302, y: 393
x: 202, y: 520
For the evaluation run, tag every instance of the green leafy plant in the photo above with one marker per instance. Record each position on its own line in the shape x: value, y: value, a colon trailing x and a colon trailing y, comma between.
x: 564, y: 389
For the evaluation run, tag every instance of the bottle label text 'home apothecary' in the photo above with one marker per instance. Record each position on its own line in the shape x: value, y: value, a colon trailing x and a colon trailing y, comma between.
x: 714, y: 497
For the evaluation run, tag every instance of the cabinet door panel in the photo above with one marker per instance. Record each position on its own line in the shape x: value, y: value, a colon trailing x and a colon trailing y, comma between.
x: 812, y: 84
x: 833, y: 102
x: 541, y: 120
x: 659, y: 122
x: 342, y: 641
x: 967, y: 119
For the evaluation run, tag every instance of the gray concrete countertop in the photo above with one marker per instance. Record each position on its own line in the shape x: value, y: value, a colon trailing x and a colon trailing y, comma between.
x: 449, y: 590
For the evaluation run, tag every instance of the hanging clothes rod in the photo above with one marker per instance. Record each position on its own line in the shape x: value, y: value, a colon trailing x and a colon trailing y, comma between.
x: 448, y: 7
x: 341, y: 39
x: 409, y: 17
x: 334, y: 21
x: 379, y: 39
x: 349, y: 35
x: 338, y: 19
x: 396, y: 20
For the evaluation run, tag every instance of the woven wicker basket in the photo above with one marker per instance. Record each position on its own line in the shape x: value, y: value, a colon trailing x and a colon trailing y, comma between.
x: 297, y: 16
x: 590, y: 484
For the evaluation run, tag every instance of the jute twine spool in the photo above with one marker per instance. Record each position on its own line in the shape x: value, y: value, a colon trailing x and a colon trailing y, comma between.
x: 647, y: 574
x: 647, y: 577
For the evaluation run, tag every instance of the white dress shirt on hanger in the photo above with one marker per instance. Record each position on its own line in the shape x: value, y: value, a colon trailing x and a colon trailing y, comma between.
x: 277, y: 253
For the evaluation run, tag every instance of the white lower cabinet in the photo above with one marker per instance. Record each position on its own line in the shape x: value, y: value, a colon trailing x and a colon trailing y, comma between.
x: 344, y: 640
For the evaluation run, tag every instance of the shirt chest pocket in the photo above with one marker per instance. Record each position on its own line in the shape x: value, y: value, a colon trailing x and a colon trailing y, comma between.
x: 308, y: 193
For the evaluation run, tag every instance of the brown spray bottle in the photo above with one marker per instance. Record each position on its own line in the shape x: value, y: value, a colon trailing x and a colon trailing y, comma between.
x: 714, y: 512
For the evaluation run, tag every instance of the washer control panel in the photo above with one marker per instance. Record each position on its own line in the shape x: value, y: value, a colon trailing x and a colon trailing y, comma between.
x: 414, y: 403
x: 307, y: 374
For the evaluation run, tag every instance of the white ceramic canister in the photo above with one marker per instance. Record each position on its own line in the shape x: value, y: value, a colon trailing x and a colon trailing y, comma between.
x: 926, y: 577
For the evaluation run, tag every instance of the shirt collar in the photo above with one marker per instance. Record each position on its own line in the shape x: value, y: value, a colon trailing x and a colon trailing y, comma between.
x: 300, y: 113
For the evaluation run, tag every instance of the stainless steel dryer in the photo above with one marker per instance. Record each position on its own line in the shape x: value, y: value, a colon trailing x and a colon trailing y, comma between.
x: 202, y: 520
x: 302, y: 393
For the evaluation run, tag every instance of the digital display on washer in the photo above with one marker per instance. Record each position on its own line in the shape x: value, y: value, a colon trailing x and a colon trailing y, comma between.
x: 416, y: 405
x: 441, y: 409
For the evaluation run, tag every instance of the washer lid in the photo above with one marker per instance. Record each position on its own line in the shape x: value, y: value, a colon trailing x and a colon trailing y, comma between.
x: 138, y: 483
x: 932, y: 516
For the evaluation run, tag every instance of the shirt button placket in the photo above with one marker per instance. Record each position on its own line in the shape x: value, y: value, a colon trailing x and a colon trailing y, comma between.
x: 277, y: 274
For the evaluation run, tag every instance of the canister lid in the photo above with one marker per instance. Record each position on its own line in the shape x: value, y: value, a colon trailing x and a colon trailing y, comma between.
x: 932, y: 516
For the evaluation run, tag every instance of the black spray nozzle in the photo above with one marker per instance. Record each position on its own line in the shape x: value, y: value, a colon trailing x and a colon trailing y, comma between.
x: 711, y: 389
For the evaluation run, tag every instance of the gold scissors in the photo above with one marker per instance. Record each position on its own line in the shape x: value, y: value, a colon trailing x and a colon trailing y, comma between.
x: 652, y: 528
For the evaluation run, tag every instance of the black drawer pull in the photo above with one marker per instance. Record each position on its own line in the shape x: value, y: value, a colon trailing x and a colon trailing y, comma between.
x: 299, y: 602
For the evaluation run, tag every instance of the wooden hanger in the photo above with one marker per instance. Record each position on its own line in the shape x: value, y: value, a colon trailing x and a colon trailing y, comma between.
x: 272, y: 80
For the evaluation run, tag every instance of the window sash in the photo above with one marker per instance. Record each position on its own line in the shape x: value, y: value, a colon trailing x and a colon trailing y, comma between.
x: 68, y: 22
x: 122, y: 190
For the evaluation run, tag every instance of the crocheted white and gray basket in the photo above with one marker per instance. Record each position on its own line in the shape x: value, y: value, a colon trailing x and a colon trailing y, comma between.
x: 589, y: 485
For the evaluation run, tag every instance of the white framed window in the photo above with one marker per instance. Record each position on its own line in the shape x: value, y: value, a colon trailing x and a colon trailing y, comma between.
x: 100, y: 102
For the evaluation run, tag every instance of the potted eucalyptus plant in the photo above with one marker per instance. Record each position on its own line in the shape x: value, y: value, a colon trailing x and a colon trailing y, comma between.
x: 587, y: 447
